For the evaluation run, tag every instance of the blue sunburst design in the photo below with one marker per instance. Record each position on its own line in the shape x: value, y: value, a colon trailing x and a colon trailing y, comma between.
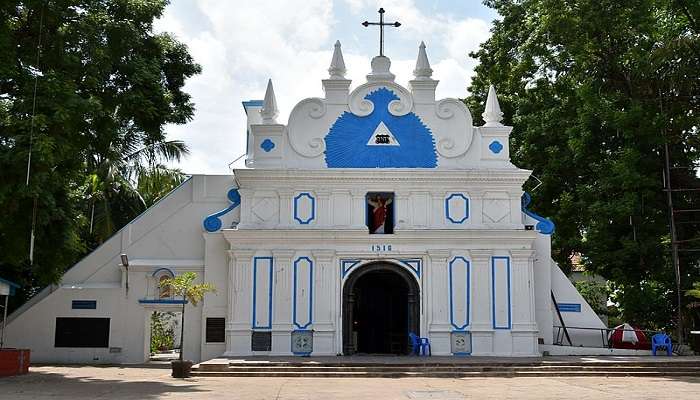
x: 346, y: 141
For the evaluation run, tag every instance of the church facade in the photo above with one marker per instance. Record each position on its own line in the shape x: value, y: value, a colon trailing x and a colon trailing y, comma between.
x: 373, y: 213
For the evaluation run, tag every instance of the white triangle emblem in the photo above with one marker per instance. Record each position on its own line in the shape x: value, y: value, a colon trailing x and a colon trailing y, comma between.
x: 382, y: 136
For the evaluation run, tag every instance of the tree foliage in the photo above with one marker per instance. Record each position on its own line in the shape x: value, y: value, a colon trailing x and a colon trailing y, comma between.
x: 162, y: 331
x: 105, y: 87
x: 594, y: 89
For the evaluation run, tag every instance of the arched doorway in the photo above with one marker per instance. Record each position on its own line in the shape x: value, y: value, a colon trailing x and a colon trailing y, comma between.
x: 380, y: 307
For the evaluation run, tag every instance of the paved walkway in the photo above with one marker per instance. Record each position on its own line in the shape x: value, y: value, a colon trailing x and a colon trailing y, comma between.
x: 141, y: 383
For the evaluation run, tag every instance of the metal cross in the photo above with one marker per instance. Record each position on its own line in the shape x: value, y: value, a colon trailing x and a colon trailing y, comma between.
x: 381, y: 24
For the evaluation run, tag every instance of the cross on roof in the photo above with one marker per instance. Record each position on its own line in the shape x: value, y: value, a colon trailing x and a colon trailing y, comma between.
x: 381, y: 25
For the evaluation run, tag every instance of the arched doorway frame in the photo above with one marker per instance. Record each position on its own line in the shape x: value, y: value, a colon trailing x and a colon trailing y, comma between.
x: 347, y: 296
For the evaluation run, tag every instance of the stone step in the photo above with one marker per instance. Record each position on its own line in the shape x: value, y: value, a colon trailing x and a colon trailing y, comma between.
x: 464, y: 364
x: 438, y: 374
x: 445, y: 367
x: 452, y: 368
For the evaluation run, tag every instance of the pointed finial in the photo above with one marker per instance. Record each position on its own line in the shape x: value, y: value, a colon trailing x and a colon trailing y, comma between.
x: 423, y: 71
x: 492, y: 113
x: 269, y: 109
x: 337, y: 68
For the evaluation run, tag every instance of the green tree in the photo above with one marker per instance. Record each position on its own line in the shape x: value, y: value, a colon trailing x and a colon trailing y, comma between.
x: 184, y: 286
x: 594, y: 89
x: 596, y: 295
x: 124, y: 182
x: 105, y: 87
x: 162, y: 333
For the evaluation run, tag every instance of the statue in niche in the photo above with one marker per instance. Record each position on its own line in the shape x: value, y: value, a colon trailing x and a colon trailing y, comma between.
x: 380, y: 213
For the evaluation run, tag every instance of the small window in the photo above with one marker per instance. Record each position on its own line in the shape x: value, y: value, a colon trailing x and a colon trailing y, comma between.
x: 380, y: 212
x: 82, y: 332
x: 164, y: 291
x: 84, y: 304
x: 261, y: 341
x: 216, y: 330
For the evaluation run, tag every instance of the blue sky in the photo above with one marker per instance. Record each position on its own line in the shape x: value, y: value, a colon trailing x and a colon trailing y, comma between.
x: 242, y: 43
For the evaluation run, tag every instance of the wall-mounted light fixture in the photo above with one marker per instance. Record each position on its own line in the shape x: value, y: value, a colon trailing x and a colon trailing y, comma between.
x: 125, y: 264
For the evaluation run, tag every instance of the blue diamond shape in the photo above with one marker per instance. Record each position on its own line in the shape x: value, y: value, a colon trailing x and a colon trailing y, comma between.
x: 495, y: 147
x: 267, y: 145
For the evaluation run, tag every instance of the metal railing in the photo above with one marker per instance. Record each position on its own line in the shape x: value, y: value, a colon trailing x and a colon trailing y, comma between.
x: 605, y: 333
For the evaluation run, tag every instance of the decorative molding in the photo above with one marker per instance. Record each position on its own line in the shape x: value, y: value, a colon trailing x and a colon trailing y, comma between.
x: 480, y: 255
x: 296, y: 267
x: 454, y: 112
x: 309, y: 238
x: 520, y: 254
x: 433, y: 178
x: 312, y: 208
x: 495, y: 207
x: 544, y: 225
x: 412, y: 264
x: 323, y: 256
x: 451, y: 292
x: 461, y: 343
x: 495, y: 147
x: 270, y: 291
x: 493, y: 292
x: 305, y: 139
x: 213, y: 223
x: 346, y: 265
x: 267, y: 145
x: 438, y: 255
x: 448, y: 208
x: 362, y: 107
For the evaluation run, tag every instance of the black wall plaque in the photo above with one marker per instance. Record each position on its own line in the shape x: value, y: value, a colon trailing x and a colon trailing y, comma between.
x: 261, y: 341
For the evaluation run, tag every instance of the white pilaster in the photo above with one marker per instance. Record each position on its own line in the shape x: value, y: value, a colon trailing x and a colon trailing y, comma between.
x: 358, y: 209
x: 325, y: 306
x: 439, y: 329
x: 238, y: 327
x: 403, y: 219
x: 282, y: 297
x: 323, y: 207
x: 481, y: 326
x: 285, y: 207
x: 524, y: 330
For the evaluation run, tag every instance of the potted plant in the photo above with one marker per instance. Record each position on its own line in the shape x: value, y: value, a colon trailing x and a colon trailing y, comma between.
x: 183, y: 285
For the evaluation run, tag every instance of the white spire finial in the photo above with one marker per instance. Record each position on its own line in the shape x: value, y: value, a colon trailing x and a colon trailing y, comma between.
x: 269, y: 109
x: 492, y: 113
x: 423, y: 72
x: 337, y: 68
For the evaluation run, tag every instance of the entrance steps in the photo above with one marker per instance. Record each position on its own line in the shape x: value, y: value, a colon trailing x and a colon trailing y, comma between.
x: 449, y: 367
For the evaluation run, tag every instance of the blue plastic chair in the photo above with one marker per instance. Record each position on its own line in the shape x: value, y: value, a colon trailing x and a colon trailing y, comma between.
x: 419, y: 345
x: 661, y: 340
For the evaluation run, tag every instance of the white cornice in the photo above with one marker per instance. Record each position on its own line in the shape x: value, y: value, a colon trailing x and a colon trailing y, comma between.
x: 324, y: 238
x: 429, y: 177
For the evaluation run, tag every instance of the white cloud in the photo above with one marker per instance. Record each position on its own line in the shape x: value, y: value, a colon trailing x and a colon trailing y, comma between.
x: 240, y: 44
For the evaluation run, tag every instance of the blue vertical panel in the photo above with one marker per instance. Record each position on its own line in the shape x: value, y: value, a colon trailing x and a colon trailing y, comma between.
x: 303, y: 291
x: 458, y: 282
x: 262, y: 292
x: 500, y: 292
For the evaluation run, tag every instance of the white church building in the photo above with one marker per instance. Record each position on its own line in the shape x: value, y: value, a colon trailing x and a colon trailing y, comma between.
x: 375, y: 211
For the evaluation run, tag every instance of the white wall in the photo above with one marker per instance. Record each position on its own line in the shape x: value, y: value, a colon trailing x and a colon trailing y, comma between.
x: 565, y: 292
x: 168, y: 234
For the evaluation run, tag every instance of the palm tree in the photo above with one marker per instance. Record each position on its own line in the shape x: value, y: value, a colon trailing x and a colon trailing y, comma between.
x: 183, y: 285
x: 125, y: 176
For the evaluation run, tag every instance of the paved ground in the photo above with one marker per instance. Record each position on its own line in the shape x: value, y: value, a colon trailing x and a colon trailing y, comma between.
x: 155, y: 383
